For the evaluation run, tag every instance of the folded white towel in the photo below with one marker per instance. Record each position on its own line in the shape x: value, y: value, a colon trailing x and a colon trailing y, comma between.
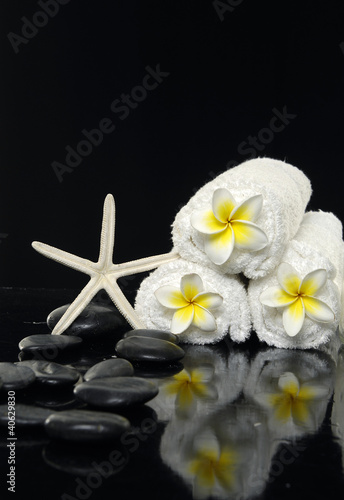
x: 317, y: 245
x: 232, y: 316
x: 285, y: 192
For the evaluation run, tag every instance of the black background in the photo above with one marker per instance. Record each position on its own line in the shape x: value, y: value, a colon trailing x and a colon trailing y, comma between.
x: 227, y: 73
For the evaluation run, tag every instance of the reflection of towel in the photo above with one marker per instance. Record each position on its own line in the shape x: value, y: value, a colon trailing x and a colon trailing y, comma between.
x: 286, y: 192
x: 317, y: 245
x: 233, y: 315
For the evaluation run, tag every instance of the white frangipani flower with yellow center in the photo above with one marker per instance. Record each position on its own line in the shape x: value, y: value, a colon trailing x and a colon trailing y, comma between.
x: 293, y: 400
x: 191, y: 304
x: 229, y: 224
x: 296, y: 297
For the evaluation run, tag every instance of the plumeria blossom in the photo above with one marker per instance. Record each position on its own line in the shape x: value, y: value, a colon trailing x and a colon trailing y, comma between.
x: 189, y: 386
x: 296, y: 296
x: 212, y: 467
x: 293, y: 400
x: 191, y: 304
x: 229, y: 224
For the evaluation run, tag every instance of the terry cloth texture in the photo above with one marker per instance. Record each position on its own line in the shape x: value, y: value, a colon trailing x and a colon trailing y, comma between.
x: 317, y: 245
x: 232, y: 317
x: 286, y: 192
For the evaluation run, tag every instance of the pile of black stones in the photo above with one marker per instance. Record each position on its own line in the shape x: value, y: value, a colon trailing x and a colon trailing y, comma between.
x: 102, y: 386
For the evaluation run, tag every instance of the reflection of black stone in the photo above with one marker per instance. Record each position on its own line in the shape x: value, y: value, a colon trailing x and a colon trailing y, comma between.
x: 145, y: 349
x: 114, y: 367
x: 81, y: 460
x: 15, y: 377
x: 156, y: 334
x: 95, y: 320
x: 116, y: 392
x: 85, y: 426
x: 51, y: 373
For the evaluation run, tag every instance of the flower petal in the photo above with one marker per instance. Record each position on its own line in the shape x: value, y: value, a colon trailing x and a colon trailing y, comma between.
x: 219, y: 246
x: 289, y: 384
x: 205, y: 222
x: 170, y: 296
x: 191, y: 285
x: 223, y: 204
x: 182, y: 319
x: 203, y: 319
x: 275, y: 296
x: 317, y: 310
x: 248, y: 236
x: 288, y: 278
x: 313, y: 282
x: 310, y: 391
x: 208, y: 300
x: 293, y: 317
x: 249, y: 209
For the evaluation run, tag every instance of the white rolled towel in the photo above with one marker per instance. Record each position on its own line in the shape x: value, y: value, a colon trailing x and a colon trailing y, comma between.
x: 317, y: 249
x: 278, y: 194
x: 220, y: 308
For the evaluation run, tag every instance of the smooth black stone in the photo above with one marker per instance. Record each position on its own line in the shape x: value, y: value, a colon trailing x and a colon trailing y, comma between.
x: 116, y: 392
x: 25, y: 415
x: 156, y: 334
x: 156, y: 370
x: 50, y: 373
x: 15, y: 377
x: 85, y: 425
x: 145, y: 349
x: 115, y: 367
x: 95, y: 320
x: 48, y: 345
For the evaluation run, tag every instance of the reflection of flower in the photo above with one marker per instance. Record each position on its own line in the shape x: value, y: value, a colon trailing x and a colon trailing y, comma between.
x: 296, y: 296
x: 228, y: 224
x: 189, y: 386
x: 292, y: 401
x: 191, y: 304
x: 211, y: 468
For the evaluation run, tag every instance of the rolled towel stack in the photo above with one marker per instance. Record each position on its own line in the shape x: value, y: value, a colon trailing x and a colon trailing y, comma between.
x: 311, y: 266
x: 264, y: 201
x: 195, y: 302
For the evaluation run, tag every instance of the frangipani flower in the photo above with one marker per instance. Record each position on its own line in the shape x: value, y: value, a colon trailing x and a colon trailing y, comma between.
x: 213, y: 467
x: 296, y: 296
x: 228, y: 224
x: 292, y: 402
x: 191, y: 304
x: 191, y: 385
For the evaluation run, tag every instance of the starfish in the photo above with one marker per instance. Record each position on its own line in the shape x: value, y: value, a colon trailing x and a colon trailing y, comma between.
x: 103, y: 273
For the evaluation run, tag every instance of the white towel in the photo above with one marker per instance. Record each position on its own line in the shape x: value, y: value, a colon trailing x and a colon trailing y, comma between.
x: 317, y: 245
x: 232, y: 316
x: 286, y: 192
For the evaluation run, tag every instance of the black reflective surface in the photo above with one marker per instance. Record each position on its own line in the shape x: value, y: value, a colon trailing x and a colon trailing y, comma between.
x: 229, y: 422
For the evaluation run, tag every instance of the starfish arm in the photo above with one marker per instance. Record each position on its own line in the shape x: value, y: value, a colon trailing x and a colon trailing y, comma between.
x: 78, y: 305
x: 141, y: 265
x: 107, y: 237
x: 68, y: 259
x: 122, y: 304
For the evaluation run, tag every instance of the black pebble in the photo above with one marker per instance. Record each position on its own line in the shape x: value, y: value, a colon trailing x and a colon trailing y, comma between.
x: 116, y: 392
x: 48, y: 344
x: 115, y: 367
x: 50, y: 373
x: 85, y: 425
x: 15, y: 377
x: 25, y: 415
x: 95, y: 320
x: 156, y: 334
x: 145, y: 349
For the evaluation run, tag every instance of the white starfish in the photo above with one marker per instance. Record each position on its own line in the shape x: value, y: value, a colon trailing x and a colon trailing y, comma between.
x: 103, y: 273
